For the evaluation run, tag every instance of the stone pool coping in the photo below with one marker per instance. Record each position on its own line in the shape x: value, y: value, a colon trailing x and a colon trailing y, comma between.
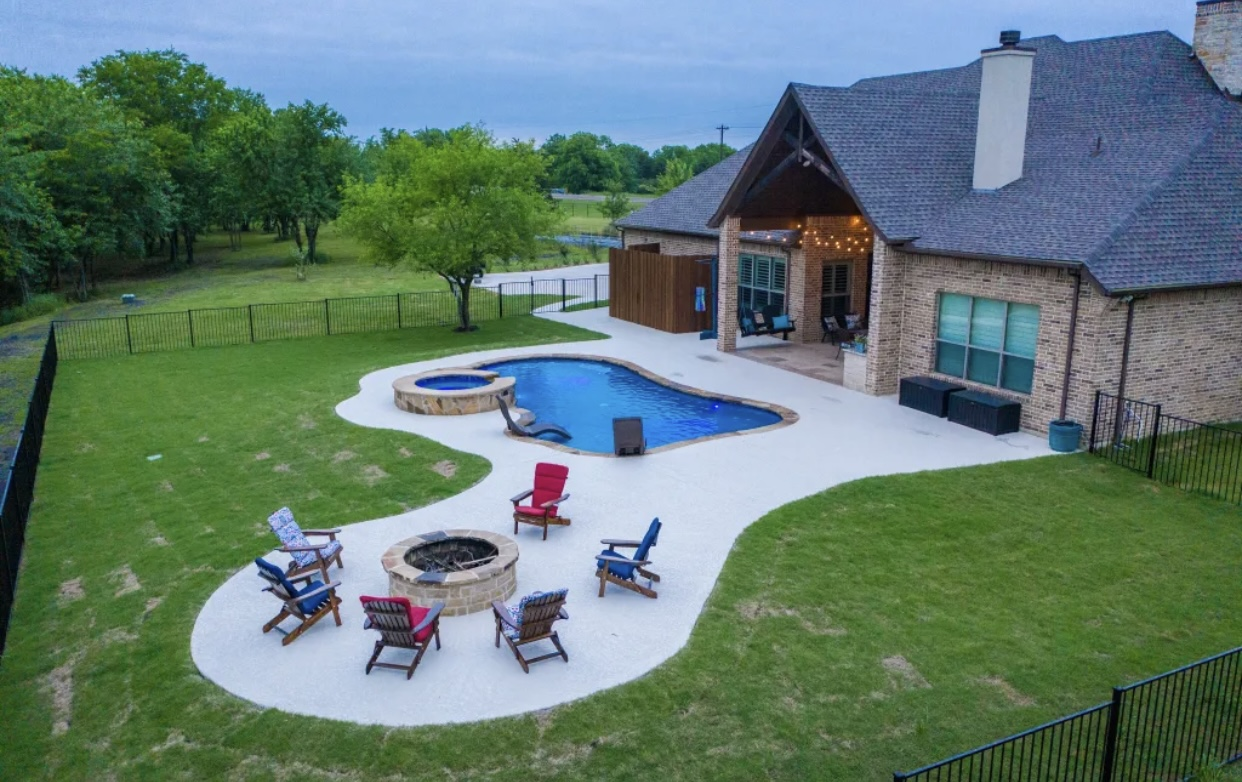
x: 788, y: 417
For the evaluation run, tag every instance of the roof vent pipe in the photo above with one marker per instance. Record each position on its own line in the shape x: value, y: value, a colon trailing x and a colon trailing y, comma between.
x: 1004, y: 105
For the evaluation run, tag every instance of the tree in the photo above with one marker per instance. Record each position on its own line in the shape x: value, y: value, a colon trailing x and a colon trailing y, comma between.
x: 635, y: 165
x: 615, y: 205
x: 451, y: 208
x: 312, y: 158
x: 675, y: 173
x: 178, y: 103
x: 79, y: 181
x: 581, y: 162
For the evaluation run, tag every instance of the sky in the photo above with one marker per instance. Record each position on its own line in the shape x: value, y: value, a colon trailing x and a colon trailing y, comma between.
x: 648, y: 72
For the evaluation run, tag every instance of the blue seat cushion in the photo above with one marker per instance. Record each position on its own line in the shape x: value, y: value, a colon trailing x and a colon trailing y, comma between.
x: 780, y: 322
x: 620, y: 570
x: 315, y: 603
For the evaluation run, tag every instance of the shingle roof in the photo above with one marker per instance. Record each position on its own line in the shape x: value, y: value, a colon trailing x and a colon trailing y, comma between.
x: 1160, y: 205
x: 687, y: 208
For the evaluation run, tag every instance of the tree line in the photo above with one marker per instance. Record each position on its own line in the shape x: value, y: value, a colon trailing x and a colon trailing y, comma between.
x: 143, y: 152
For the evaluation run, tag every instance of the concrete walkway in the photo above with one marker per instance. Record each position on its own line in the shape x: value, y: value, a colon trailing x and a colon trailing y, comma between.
x: 706, y: 494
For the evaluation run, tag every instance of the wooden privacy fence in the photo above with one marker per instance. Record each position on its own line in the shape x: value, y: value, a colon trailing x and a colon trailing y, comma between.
x: 658, y: 291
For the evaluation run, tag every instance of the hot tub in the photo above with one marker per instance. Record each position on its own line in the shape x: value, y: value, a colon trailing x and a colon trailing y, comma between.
x: 452, y: 392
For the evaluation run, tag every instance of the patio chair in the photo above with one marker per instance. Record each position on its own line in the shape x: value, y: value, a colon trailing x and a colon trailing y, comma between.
x: 778, y: 322
x: 627, y: 436
x: 529, y: 621
x: 543, y: 500
x: 613, y: 568
x: 832, y: 330
x: 308, y: 603
x: 401, y: 625
x: 307, y: 557
x: 746, y: 323
x: 534, y: 430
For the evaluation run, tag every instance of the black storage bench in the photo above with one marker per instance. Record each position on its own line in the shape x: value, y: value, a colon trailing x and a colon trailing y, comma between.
x: 927, y: 394
x: 985, y: 412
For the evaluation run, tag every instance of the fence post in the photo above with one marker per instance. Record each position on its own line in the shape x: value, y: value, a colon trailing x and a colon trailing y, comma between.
x: 250, y: 313
x: 1110, y: 737
x: 399, y: 311
x: 129, y: 339
x: 595, y: 291
x: 563, y: 295
x: 189, y: 317
x: 1155, y: 443
x: 532, y: 295
x: 327, y: 316
x: 500, y: 296
x: 1095, y: 417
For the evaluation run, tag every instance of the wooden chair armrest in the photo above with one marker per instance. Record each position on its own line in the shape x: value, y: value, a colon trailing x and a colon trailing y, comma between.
x: 518, y: 498
x: 623, y: 543
x: 307, y: 547
x: 331, y: 533
x: 431, y: 618
x: 502, y: 613
x: 556, y: 501
x: 610, y: 557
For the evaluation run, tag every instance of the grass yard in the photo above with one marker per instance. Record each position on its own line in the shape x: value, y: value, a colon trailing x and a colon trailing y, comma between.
x: 879, y: 625
x: 589, y: 305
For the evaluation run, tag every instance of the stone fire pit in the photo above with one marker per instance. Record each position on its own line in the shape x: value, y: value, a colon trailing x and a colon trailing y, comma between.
x: 463, y: 568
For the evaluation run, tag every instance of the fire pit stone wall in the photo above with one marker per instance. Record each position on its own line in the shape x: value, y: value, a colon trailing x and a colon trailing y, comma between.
x: 463, y: 591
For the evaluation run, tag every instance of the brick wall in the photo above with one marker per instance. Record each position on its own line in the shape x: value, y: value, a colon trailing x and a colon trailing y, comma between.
x: 829, y: 240
x: 726, y: 289
x: 1183, y: 352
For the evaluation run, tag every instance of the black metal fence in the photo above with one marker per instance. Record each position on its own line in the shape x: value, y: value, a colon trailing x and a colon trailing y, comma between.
x: 161, y: 331
x: 18, y: 491
x: 1164, y: 728
x: 1190, y: 455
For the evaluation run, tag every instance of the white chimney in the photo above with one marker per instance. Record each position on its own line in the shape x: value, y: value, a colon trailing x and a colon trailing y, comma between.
x: 1004, y: 102
x: 1218, y: 42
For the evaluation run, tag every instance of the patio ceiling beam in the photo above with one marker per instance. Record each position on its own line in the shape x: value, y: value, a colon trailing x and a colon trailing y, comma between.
x: 814, y: 160
x: 770, y: 177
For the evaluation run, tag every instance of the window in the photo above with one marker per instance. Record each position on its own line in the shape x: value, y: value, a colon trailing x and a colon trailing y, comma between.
x: 760, y: 281
x: 987, y: 341
x: 835, y: 291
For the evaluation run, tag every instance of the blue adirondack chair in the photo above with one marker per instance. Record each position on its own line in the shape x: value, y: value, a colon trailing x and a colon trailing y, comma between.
x: 612, y: 567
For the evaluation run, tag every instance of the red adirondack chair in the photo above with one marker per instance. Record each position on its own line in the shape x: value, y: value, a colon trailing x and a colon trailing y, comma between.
x: 541, y: 508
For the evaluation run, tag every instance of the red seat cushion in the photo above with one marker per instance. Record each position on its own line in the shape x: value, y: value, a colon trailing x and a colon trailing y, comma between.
x: 415, y: 613
x: 530, y: 510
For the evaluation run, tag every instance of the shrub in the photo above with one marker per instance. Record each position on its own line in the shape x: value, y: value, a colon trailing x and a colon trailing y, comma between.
x: 38, y: 305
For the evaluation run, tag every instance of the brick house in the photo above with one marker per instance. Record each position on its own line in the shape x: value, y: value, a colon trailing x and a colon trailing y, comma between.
x: 1052, y: 219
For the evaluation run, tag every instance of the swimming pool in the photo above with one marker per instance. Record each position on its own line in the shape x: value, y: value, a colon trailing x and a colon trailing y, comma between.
x: 584, y: 395
x: 452, y: 382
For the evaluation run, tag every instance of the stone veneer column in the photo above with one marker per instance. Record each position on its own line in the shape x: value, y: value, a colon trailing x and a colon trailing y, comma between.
x: 884, y: 326
x: 726, y: 288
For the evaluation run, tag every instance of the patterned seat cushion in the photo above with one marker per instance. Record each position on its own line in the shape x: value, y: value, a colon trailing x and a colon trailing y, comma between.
x: 290, y: 534
x: 530, y: 510
x: 515, y: 612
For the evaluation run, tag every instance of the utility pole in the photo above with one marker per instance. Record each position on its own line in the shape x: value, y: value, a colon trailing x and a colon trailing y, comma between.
x: 722, y: 128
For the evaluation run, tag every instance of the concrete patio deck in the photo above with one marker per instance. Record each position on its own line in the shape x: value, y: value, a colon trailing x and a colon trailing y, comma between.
x: 705, y: 494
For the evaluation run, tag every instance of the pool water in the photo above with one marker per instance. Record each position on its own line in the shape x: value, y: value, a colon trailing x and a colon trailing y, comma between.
x: 452, y: 382
x: 583, y: 396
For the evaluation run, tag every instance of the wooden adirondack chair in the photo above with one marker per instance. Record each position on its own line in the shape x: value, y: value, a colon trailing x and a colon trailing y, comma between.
x: 308, y: 604
x: 529, y: 621
x: 614, y: 568
x: 544, y: 499
x: 307, y: 557
x: 401, y: 625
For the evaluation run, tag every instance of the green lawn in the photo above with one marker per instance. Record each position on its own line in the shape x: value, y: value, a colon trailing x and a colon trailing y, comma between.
x: 879, y: 625
x: 588, y: 305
